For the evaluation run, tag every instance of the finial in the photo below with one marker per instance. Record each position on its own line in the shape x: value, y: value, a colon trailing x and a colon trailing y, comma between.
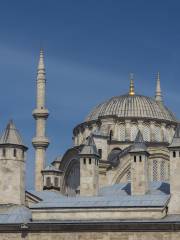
x: 131, y: 89
x: 158, y: 96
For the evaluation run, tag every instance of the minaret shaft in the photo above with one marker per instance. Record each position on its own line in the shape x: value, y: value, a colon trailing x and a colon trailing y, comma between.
x: 40, y: 142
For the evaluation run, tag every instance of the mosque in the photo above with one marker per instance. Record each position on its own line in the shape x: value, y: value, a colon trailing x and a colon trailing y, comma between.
x: 119, y: 180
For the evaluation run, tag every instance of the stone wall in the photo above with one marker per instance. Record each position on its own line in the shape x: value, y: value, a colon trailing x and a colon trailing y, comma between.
x: 92, y: 236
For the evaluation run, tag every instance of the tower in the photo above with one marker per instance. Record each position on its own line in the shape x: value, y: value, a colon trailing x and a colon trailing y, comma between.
x: 12, y: 166
x: 174, y: 150
x: 139, y: 167
x: 89, y: 169
x: 158, y: 96
x: 40, y: 114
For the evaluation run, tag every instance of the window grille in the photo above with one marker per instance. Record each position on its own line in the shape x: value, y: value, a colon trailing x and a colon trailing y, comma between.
x: 157, y: 132
x: 128, y: 175
x: 155, y: 172
x: 134, y: 131
x: 146, y: 133
x: 163, y: 171
x: 122, y: 132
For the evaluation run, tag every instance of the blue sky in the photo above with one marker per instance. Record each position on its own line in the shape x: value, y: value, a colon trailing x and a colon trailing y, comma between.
x: 90, y: 48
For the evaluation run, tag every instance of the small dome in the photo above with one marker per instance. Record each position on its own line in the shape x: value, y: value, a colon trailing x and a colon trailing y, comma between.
x: 127, y: 107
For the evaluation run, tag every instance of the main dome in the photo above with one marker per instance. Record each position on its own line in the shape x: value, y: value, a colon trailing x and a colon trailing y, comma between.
x: 136, y: 106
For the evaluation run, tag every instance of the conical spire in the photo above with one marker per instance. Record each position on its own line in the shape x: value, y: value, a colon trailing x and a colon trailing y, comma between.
x: 176, y: 139
x: 139, y: 144
x: 41, y: 60
x: 89, y: 147
x: 11, y: 135
x: 158, y: 96
x: 131, y: 88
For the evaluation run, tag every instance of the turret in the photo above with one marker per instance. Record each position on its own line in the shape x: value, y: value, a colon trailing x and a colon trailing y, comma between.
x: 174, y: 150
x: 51, y: 178
x: 139, y: 167
x: 89, y: 169
x: 40, y: 114
x: 12, y: 166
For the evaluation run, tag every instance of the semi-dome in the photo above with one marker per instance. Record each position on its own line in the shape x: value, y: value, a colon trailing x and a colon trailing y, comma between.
x: 132, y: 106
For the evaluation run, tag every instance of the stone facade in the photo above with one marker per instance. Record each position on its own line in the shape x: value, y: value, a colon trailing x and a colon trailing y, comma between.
x: 93, y: 236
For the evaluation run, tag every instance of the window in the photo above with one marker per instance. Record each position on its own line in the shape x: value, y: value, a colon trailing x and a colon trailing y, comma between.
x: 100, y: 153
x: 128, y: 176
x: 48, y: 181
x: 163, y: 171
x: 134, y: 158
x: 56, y: 182
x: 155, y: 172
x: 140, y: 158
x: 22, y: 154
x: 84, y: 161
x: 4, y: 152
x: 14, y: 152
x: 174, y: 154
x: 89, y: 160
x: 110, y: 135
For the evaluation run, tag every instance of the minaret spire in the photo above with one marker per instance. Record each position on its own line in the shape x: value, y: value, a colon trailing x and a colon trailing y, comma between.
x: 40, y: 114
x: 158, y: 96
x: 131, y: 88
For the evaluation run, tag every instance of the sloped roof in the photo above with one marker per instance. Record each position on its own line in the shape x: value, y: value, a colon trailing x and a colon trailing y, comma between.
x: 139, y: 144
x: 11, y: 135
x: 176, y: 138
x: 14, y: 214
x: 117, y: 195
x: 89, y: 147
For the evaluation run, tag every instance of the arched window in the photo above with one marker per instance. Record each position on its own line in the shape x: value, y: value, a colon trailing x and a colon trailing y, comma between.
x: 48, y: 182
x: 163, y: 171
x: 56, y: 182
x: 134, y: 131
x: 128, y: 176
x: 146, y: 133
x: 157, y: 132
x: 121, y: 132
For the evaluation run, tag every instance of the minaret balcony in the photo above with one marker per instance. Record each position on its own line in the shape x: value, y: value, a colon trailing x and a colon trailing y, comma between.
x: 40, y: 142
x: 40, y: 113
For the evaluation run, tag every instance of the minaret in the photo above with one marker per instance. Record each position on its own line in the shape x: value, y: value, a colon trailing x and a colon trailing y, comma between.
x: 158, y: 96
x: 131, y: 88
x: 40, y: 114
